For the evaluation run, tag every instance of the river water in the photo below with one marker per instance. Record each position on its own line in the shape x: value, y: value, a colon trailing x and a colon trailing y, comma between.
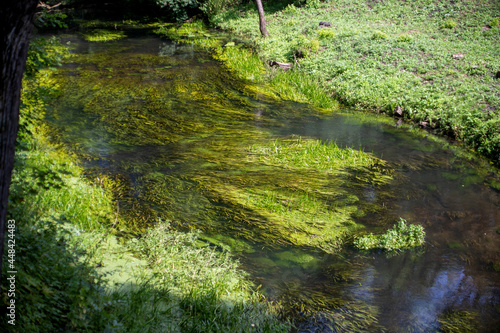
x: 170, y: 129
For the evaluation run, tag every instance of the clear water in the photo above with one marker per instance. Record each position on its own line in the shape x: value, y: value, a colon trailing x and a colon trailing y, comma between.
x: 455, y: 197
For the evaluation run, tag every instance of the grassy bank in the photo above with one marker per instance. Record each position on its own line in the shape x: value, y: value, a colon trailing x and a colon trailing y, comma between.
x: 74, y: 274
x: 436, y: 64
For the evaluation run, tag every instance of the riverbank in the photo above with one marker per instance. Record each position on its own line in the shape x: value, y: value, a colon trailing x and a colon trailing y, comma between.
x: 436, y: 65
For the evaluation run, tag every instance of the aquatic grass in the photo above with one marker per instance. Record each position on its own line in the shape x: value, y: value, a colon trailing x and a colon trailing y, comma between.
x: 73, y: 274
x: 296, y: 86
x: 297, y: 152
x: 460, y: 321
x: 242, y: 61
x: 102, y: 35
x: 247, y: 65
x: 400, y: 237
x: 291, y: 191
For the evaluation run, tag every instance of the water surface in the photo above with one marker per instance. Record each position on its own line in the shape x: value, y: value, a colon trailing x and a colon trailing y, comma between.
x: 173, y: 133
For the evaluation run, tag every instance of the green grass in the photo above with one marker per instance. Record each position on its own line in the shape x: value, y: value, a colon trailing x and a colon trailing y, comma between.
x: 384, y: 55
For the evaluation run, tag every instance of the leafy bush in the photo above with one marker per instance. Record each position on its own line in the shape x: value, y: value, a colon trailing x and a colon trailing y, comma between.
x: 44, y: 53
x: 212, y: 8
x: 401, y: 236
x: 181, y: 9
x: 48, y: 21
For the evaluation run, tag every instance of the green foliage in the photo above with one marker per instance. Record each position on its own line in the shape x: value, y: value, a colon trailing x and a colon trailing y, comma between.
x: 53, y: 288
x: 410, y: 64
x: 326, y: 33
x: 46, y: 20
x: 401, y: 236
x: 212, y: 8
x: 241, y: 61
x: 405, y: 38
x: 305, y: 47
x: 314, y: 4
x: 377, y: 34
x: 44, y: 53
x: 211, y: 294
x: 494, y: 22
x: 449, y: 24
x: 290, y: 9
x: 181, y: 9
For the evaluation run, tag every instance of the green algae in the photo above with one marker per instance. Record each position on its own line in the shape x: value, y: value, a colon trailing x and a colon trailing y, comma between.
x: 103, y: 35
x: 459, y: 321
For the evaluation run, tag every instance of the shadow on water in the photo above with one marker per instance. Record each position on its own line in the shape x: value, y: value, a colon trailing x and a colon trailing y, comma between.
x: 177, y: 138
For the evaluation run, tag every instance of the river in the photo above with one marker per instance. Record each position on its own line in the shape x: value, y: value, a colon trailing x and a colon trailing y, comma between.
x: 182, y: 140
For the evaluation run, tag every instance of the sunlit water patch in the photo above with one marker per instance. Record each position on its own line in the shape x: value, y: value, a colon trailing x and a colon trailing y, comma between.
x: 177, y: 138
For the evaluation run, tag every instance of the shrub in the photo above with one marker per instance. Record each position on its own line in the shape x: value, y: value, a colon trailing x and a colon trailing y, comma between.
x: 181, y: 9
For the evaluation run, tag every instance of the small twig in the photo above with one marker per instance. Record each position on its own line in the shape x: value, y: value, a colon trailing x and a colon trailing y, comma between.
x: 295, y: 58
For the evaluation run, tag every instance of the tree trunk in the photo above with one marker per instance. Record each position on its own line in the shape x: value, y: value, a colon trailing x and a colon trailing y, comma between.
x: 16, y: 17
x: 262, y: 19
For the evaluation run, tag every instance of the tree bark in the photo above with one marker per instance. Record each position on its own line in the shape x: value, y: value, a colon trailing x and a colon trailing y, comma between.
x: 262, y: 20
x: 16, y: 17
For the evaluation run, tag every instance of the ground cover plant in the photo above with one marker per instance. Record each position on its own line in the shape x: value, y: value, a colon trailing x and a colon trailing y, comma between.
x: 436, y: 64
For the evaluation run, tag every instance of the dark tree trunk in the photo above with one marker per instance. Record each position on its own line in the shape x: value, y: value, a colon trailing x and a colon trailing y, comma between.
x: 16, y: 18
x: 262, y: 20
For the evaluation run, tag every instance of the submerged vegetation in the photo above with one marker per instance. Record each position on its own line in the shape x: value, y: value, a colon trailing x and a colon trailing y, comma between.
x: 297, y: 191
x: 102, y: 35
x: 72, y: 274
x: 169, y: 136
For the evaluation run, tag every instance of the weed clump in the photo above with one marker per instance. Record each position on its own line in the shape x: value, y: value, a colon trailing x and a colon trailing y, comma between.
x: 401, y: 236
x: 377, y: 34
x: 326, y: 34
x: 494, y: 22
x: 405, y: 38
x: 449, y: 24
